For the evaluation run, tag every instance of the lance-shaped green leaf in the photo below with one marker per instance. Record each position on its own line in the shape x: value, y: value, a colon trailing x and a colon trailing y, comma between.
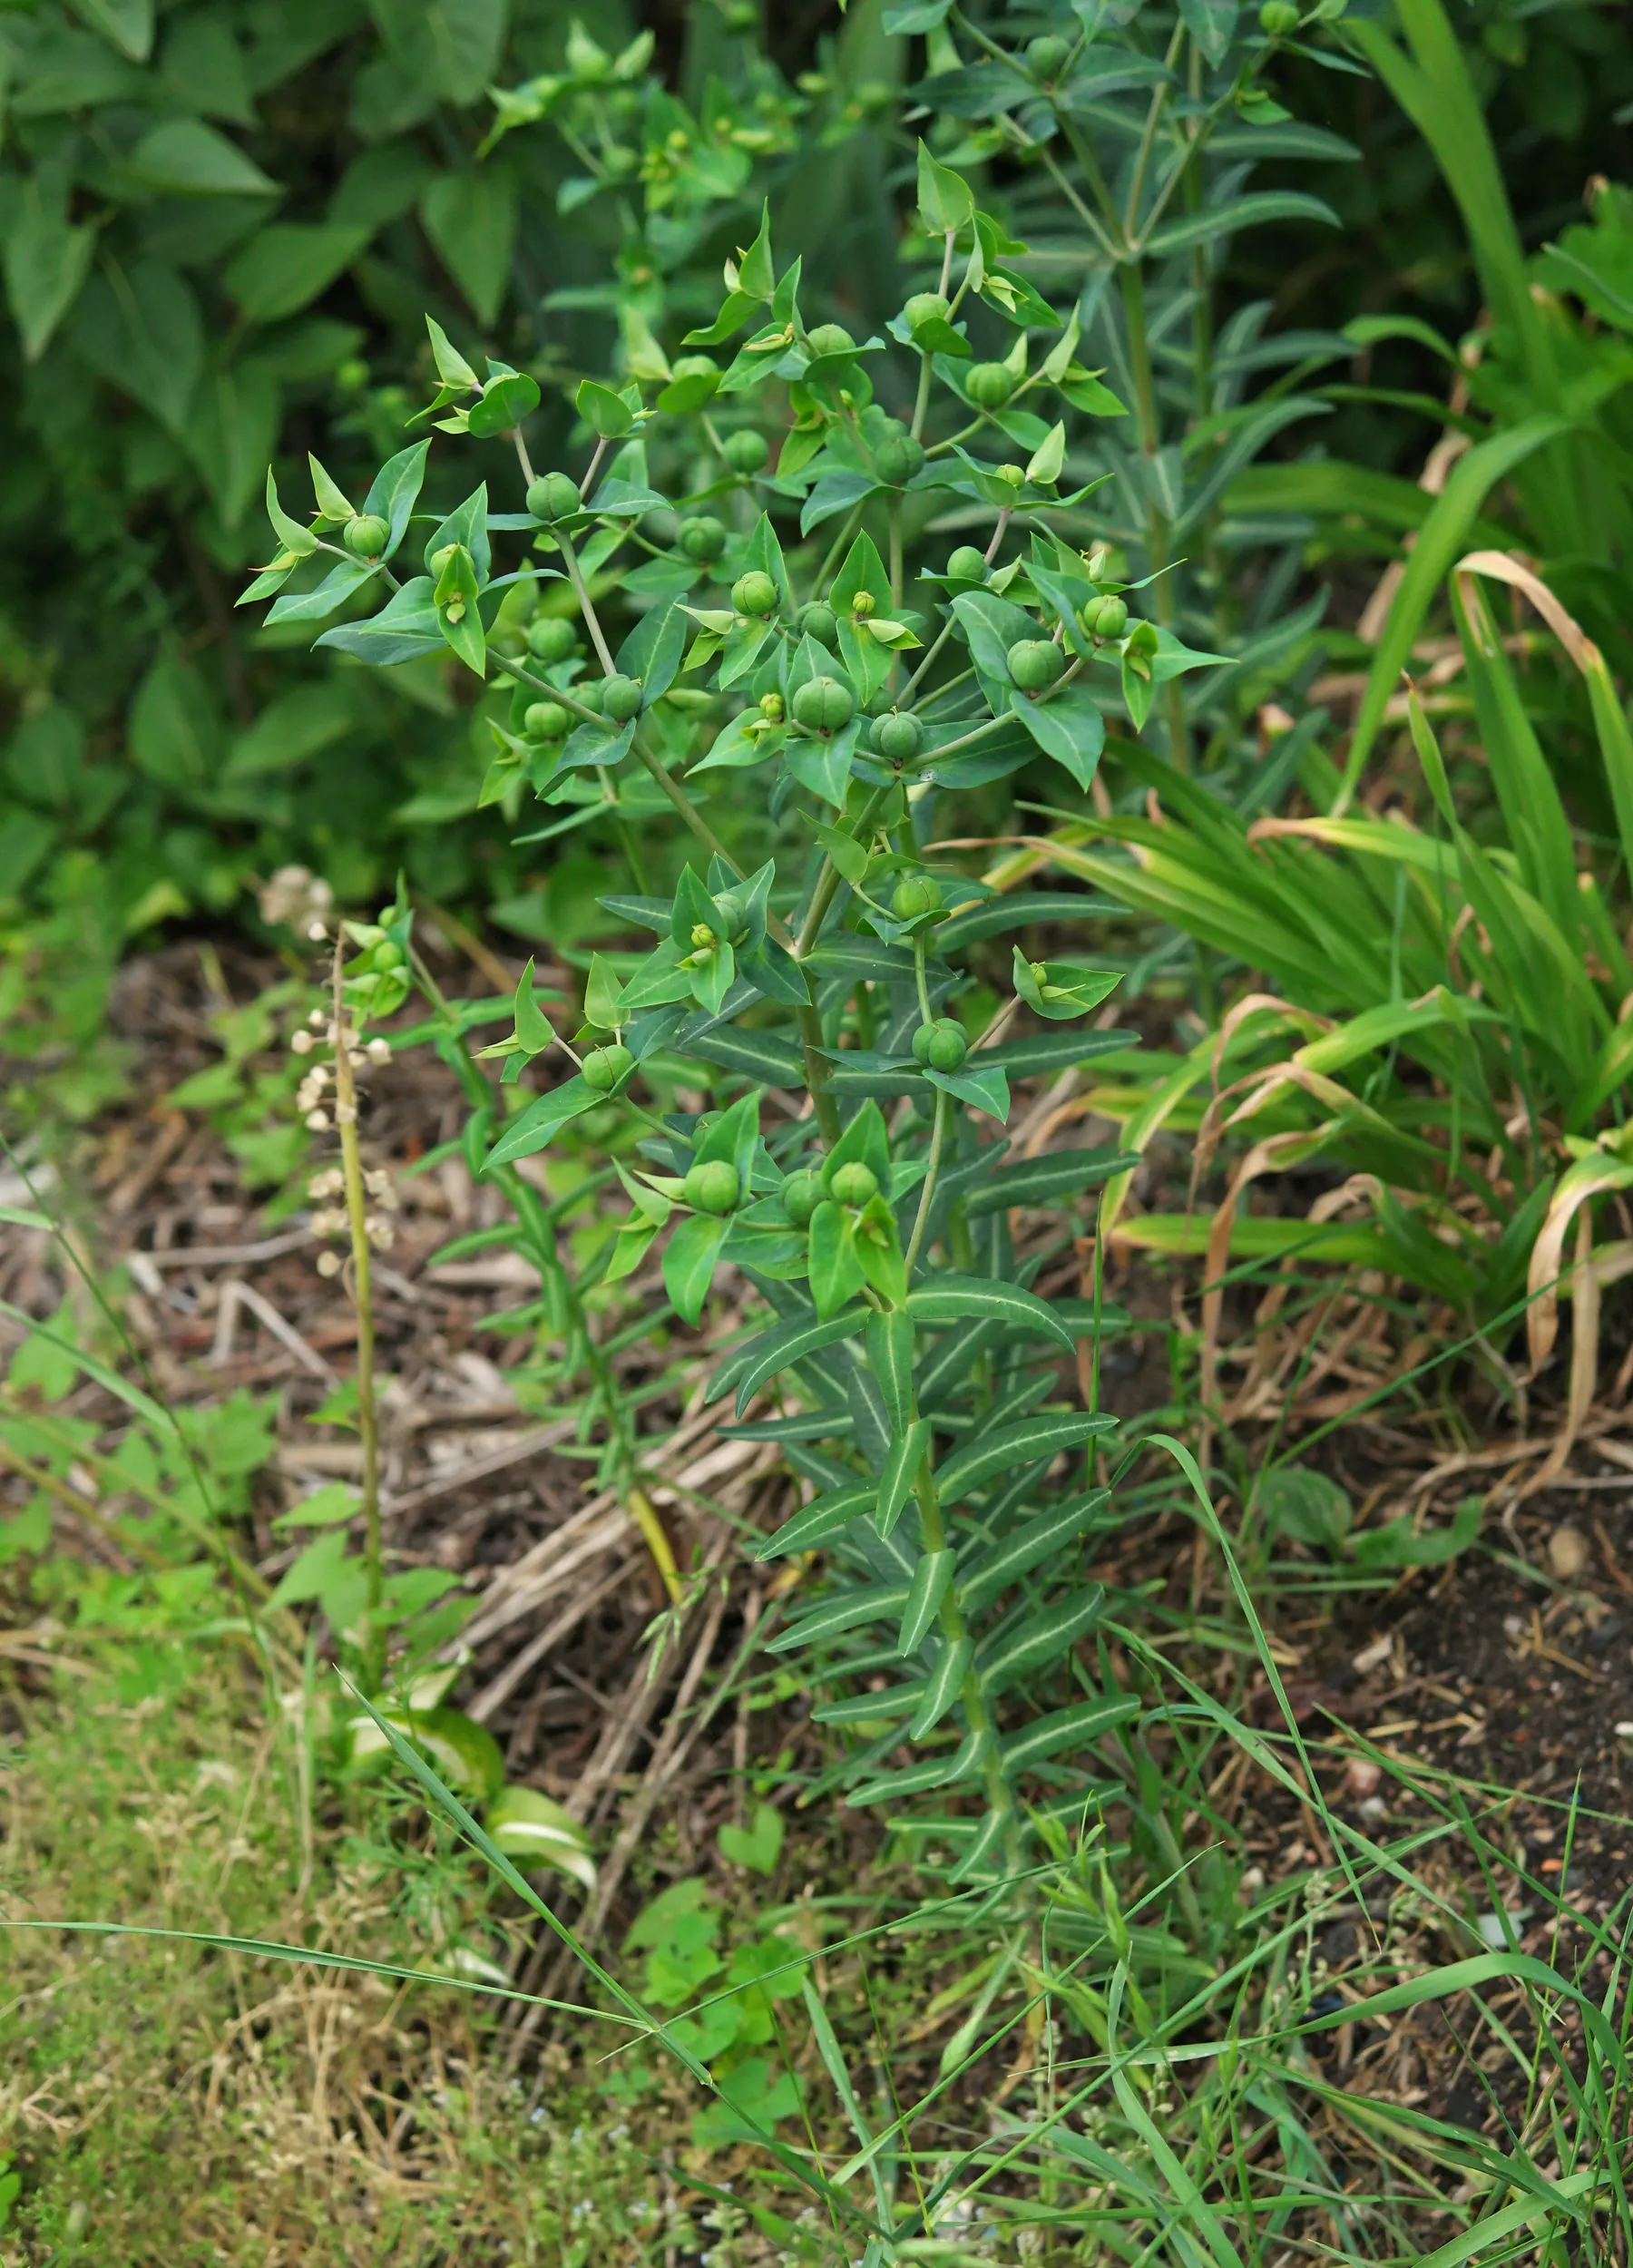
x: 457, y: 611
x: 538, y: 1125
x: 1058, y: 989
x: 689, y: 1259
x: 452, y: 367
x: 943, y: 1686
x: 534, y: 1028
x: 845, y: 1610
x: 345, y: 578
x: 295, y: 539
x: 826, y: 1517
x: 405, y: 627
x: 890, y: 1358
x: 981, y: 1086
x: 993, y: 626
x: 505, y: 401
x: 837, y: 1273
x: 770, y: 1353
x: 958, y: 1299
x: 1072, y: 1728
x: 1067, y: 726
x: 605, y: 413
x: 333, y: 502
x: 932, y: 1580
x: 946, y: 202
x: 902, y: 1462
x: 917, y: 1779
x: 395, y: 490
x: 1041, y: 1640
x: 1023, y: 1445
x: 604, y: 996
x: 1048, y: 1180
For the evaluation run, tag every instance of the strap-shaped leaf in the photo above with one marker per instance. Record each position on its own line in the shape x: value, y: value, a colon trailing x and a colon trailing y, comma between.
x: 870, y: 1708
x: 994, y: 917
x: 1042, y: 1639
x: 1055, y: 1051
x: 544, y: 1120
x: 1028, y: 1547
x: 959, y: 1299
x: 890, y: 1358
x: 778, y: 1349
x: 1047, y: 1180
x: 942, y: 1687
x: 1023, y: 1445
x: 845, y: 1610
x: 932, y: 1580
x: 823, y: 1517
x: 934, y: 1772
x: 1065, y: 1728
x: 901, y: 1469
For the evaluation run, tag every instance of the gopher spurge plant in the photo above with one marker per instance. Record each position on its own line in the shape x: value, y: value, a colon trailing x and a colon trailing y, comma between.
x: 901, y: 1317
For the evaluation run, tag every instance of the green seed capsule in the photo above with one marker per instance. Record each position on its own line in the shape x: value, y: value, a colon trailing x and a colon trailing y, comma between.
x: 545, y: 720
x: 755, y: 593
x: 989, y: 386
x: 968, y: 564
x: 949, y: 1044
x: 824, y: 705
x: 620, y: 698
x: 551, y: 637
x: 702, y: 539
x: 603, y: 1068
x: 553, y: 497
x: 1045, y: 54
x: 366, y: 537
x: 801, y: 1195
x: 898, y: 738
x: 915, y: 894
x: 854, y: 1184
x: 925, y: 307
x: 746, y: 451
x: 1106, y: 618
x: 831, y: 338
x: 820, y: 622
x: 712, y: 1188
x: 1035, y: 664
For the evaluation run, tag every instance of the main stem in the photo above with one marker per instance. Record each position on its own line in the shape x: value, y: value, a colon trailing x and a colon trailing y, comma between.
x: 1131, y: 283
x: 357, y: 1218
x: 954, y: 1630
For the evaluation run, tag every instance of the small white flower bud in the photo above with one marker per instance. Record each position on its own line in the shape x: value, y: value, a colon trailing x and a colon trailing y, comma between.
x: 317, y: 1121
x: 381, y: 1234
x: 379, y: 1050
x: 328, y: 1263
x: 302, y: 1042
x: 317, y: 931
x: 315, y: 1019
x: 345, y: 1114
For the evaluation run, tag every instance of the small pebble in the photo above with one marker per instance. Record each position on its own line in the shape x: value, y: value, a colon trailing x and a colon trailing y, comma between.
x: 1362, y: 1775
x: 1567, y: 1553
x: 1374, y: 1808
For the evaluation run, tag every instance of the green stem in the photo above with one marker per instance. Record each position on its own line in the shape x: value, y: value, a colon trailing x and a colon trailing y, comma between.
x: 938, y: 1137
x: 1131, y: 283
x: 954, y: 1630
x: 575, y: 575
x: 356, y: 1210
x: 694, y: 819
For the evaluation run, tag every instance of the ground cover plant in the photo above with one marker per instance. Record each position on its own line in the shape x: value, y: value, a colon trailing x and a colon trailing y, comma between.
x: 915, y: 1770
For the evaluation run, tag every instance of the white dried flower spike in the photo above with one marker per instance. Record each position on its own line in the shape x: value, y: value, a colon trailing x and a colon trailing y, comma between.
x: 328, y: 1263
